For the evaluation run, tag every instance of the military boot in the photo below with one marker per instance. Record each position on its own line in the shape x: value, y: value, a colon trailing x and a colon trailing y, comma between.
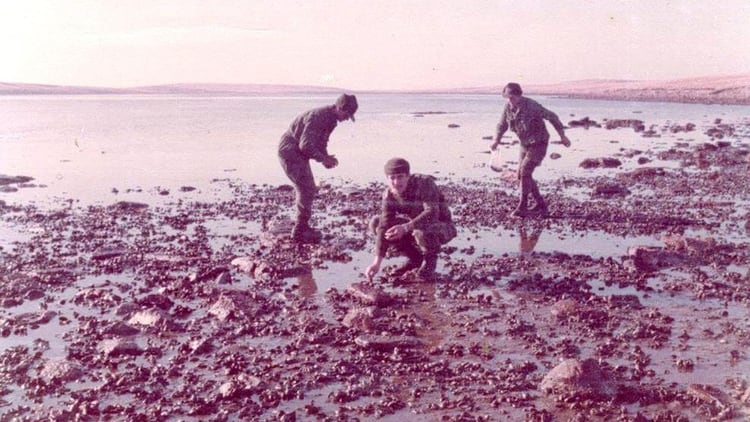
x: 413, y: 261
x: 427, y: 270
x: 540, y: 207
x: 521, y: 211
x: 303, y: 233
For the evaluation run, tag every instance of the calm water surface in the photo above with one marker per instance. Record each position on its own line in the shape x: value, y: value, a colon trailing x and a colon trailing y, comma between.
x: 86, y: 147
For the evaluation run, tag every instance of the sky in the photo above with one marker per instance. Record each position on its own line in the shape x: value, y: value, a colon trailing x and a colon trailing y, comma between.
x: 369, y: 44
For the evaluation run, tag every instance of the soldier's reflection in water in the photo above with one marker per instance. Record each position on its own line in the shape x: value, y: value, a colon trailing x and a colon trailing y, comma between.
x: 528, y: 239
x: 307, y: 286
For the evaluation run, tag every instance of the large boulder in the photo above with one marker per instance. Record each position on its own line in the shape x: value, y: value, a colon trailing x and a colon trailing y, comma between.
x: 575, y: 376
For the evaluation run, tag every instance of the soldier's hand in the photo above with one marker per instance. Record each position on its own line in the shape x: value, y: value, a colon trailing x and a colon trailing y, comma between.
x: 494, y: 145
x: 396, y: 232
x: 565, y: 141
x: 372, y: 270
x: 330, y: 162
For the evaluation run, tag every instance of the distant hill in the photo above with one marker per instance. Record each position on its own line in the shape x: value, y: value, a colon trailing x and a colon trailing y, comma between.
x: 233, y: 89
x: 173, y: 89
x: 734, y: 89
x: 705, y: 90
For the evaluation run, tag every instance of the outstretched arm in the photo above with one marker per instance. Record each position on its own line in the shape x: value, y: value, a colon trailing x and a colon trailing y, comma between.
x: 557, y: 124
x: 373, y: 268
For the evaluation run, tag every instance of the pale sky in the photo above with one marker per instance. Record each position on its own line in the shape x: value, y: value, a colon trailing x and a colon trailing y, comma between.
x: 369, y: 44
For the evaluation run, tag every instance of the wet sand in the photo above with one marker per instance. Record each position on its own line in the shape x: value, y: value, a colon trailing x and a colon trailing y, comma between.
x: 205, y: 311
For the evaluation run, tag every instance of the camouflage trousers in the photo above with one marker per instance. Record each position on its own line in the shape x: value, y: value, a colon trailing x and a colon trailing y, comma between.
x: 530, y: 158
x: 428, y: 239
x: 297, y: 169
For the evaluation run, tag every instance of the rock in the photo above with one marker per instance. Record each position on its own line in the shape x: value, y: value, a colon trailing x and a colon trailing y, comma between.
x: 108, y: 252
x: 647, y: 173
x: 603, y: 162
x: 224, y: 278
x: 650, y: 258
x: 126, y: 206
x: 186, y: 189
x: 120, y: 329
x: 149, y: 318
x: 35, y: 318
x: 360, y: 317
x: 636, y: 124
x: 689, y: 245
x: 453, y: 125
x: 7, y: 180
x: 201, y: 346
x: 156, y: 300
x: 231, y: 305
x: 61, y: 370
x: 610, y: 190
x: 33, y: 294
x: 370, y: 295
x: 709, y: 395
x: 211, y: 274
x: 244, y: 264
x: 95, y: 296
x: 555, y: 156
x: 625, y: 301
x: 574, y: 376
x: 119, y: 347
x: 565, y: 308
x: 240, y: 386
x: 584, y: 122
x: 387, y: 343
x: 127, y: 309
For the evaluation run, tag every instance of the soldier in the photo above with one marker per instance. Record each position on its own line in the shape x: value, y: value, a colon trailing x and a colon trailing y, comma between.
x: 414, y: 218
x: 525, y: 117
x: 305, y: 140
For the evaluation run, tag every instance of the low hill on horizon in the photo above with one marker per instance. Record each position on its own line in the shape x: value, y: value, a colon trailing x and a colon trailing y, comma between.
x: 731, y: 89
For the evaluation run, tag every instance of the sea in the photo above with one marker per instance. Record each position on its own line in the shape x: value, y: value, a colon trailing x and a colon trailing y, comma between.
x: 99, y: 149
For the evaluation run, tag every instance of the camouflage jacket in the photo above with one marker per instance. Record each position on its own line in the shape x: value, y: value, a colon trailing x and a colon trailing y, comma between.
x: 527, y: 121
x: 309, y: 132
x: 422, y: 202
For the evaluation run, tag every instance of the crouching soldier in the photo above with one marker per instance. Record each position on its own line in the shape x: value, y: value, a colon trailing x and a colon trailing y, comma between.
x: 414, y: 218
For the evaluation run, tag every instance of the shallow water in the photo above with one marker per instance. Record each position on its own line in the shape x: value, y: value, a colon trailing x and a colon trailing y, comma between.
x: 101, y: 149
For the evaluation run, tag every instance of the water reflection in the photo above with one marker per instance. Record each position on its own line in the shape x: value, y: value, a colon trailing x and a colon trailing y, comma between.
x: 432, y: 329
x: 307, y: 285
x: 528, y: 233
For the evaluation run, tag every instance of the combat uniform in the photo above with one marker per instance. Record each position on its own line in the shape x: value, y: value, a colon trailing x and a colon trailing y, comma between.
x: 526, y: 119
x: 305, y: 140
x: 423, y: 203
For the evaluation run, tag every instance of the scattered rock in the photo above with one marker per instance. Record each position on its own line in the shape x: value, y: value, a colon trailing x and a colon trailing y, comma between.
x: 573, y: 376
x: 387, y: 343
x: 119, y: 347
x: 370, y: 295
x: 603, y: 162
x: 8, y: 180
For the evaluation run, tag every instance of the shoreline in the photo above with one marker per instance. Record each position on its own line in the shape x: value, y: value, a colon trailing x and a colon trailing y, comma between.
x: 724, y: 90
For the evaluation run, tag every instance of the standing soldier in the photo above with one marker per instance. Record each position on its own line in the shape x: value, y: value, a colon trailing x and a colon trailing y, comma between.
x: 525, y: 117
x: 305, y: 140
x: 414, y: 218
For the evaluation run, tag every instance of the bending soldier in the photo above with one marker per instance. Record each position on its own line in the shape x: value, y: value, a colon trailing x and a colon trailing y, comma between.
x: 305, y: 140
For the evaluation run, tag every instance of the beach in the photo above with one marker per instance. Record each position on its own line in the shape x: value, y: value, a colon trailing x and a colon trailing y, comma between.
x: 160, y: 295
